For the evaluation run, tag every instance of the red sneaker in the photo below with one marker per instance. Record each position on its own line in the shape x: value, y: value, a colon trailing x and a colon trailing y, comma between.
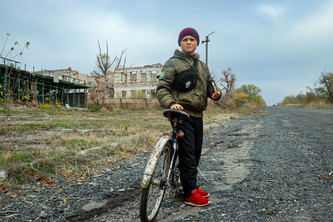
x: 203, y: 193
x: 196, y: 199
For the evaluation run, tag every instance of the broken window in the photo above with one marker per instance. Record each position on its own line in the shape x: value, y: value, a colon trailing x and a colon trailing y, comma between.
x: 123, y: 77
x: 153, y: 75
x: 143, y: 77
x: 133, y: 77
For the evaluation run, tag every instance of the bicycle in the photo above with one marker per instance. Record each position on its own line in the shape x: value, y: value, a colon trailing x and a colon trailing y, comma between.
x: 162, y: 170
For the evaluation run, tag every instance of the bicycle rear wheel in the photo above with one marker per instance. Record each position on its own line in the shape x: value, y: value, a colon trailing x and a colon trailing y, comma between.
x: 152, y: 196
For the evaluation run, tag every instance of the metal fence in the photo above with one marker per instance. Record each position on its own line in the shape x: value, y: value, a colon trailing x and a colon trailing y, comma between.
x: 124, y: 103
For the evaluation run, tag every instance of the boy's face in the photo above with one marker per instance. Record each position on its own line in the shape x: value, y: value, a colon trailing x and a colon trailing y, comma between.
x: 188, y: 45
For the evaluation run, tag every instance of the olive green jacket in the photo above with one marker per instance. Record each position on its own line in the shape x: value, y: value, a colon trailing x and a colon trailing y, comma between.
x: 193, y: 101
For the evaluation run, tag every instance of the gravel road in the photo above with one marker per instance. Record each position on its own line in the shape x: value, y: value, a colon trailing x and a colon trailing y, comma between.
x: 272, y: 166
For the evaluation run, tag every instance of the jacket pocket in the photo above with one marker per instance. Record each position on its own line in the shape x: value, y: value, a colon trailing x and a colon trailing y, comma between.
x: 200, y: 96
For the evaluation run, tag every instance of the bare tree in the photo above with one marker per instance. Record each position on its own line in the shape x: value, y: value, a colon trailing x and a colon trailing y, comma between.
x: 327, y: 81
x: 104, y: 63
x: 105, y: 68
x: 227, y: 85
x: 228, y: 80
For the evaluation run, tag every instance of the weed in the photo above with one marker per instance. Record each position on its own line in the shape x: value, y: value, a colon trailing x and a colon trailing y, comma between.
x: 27, y: 126
x: 5, y: 111
x: 65, y: 125
x: 95, y: 108
x: 16, y: 164
x: 45, y: 106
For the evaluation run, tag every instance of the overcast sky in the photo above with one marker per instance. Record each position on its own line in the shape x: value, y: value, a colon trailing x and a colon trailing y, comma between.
x: 280, y: 46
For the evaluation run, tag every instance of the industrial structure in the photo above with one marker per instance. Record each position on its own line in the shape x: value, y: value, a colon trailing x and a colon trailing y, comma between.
x: 43, y: 87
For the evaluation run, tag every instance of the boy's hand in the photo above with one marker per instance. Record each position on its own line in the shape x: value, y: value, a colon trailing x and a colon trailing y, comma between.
x: 177, y: 106
x: 216, y: 94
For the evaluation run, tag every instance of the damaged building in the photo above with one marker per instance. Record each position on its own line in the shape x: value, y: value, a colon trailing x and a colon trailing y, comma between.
x: 136, y: 82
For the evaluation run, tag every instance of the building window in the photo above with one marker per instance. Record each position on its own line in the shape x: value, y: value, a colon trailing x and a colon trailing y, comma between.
x: 143, y: 77
x: 153, y: 75
x: 133, y: 77
x: 123, y: 77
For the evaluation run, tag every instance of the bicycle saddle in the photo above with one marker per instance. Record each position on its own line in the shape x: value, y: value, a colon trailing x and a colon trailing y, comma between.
x: 176, y: 115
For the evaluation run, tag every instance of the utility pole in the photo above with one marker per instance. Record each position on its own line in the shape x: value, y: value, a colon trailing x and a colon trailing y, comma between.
x: 206, y: 41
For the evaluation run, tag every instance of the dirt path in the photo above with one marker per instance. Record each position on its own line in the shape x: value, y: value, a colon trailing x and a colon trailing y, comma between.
x: 274, y: 166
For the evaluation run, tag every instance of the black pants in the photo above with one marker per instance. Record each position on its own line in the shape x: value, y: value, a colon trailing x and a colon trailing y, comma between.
x: 189, y: 148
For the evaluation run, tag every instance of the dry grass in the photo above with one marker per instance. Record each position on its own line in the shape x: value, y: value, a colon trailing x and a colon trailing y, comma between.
x: 214, y: 111
x: 316, y: 105
x: 46, y: 143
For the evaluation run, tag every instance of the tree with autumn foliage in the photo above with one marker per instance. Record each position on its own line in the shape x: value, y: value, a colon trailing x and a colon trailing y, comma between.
x: 240, y: 98
x: 321, y: 92
x: 253, y: 93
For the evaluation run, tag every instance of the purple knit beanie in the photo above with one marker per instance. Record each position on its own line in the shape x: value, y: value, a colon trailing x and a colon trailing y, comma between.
x: 189, y: 31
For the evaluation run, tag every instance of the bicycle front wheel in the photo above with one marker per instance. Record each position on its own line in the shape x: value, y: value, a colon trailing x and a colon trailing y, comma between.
x: 152, y: 196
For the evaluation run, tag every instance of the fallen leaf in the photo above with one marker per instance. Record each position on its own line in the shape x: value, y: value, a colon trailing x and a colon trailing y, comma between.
x: 11, y: 195
x: 15, y: 186
x: 325, y: 177
x: 64, y: 199
x: 49, y: 181
x: 79, y: 182
x: 3, y: 187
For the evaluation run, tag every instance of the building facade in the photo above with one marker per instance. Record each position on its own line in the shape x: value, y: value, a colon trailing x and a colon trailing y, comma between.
x: 136, y: 82
x: 69, y: 75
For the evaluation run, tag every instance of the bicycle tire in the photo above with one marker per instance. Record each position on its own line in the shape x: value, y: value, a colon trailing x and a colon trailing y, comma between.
x: 152, y: 196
